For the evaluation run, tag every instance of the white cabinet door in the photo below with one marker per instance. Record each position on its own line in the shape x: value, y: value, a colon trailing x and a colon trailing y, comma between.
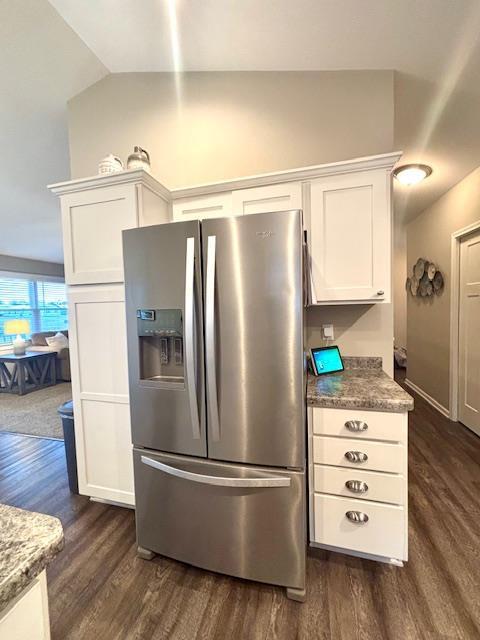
x: 274, y: 197
x: 93, y: 221
x: 98, y: 351
x: 215, y: 205
x: 350, y: 239
x: 26, y: 617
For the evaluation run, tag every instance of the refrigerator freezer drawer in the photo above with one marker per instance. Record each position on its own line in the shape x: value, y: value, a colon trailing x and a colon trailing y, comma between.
x: 247, y: 522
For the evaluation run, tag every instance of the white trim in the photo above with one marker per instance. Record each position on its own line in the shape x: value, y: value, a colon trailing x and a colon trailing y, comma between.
x: 454, y: 312
x: 382, y: 161
x: 130, y: 176
x: 423, y: 394
x: 24, y: 275
x: 358, y: 554
x: 385, y: 161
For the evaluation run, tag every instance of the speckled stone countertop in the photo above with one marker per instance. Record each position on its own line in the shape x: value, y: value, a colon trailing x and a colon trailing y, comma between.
x: 363, y: 385
x: 28, y: 543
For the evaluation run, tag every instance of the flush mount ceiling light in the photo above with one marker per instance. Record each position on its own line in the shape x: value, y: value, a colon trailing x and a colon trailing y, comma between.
x: 411, y: 174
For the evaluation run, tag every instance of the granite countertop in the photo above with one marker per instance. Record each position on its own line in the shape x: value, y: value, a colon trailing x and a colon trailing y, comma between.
x: 363, y: 385
x: 28, y: 543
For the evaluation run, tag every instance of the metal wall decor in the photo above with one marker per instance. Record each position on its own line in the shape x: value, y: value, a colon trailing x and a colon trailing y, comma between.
x: 426, y: 279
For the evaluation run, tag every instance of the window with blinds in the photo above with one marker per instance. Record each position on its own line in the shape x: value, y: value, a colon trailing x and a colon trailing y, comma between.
x: 42, y: 303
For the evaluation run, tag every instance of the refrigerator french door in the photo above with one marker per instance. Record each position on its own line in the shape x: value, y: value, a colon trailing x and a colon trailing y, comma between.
x: 215, y: 347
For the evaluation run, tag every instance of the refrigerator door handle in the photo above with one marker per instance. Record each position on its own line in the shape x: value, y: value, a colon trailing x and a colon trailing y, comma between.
x: 210, y: 355
x: 273, y: 481
x: 190, y: 336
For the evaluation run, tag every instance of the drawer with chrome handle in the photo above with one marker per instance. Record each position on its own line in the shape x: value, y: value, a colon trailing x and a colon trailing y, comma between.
x: 360, y: 525
x: 360, y: 424
x: 357, y: 516
x: 356, y: 456
x: 356, y: 486
x: 356, y: 426
x: 344, y: 452
x: 359, y: 483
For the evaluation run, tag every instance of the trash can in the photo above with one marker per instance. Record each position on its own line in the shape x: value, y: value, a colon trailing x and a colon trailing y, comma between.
x: 68, y: 424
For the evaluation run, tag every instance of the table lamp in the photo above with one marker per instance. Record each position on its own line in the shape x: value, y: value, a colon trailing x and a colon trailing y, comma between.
x: 16, y: 328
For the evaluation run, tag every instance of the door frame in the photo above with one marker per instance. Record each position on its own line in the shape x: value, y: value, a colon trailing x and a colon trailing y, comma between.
x: 456, y: 239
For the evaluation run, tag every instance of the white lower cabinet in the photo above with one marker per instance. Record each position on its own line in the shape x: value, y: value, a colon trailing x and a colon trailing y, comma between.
x: 98, y: 352
x: 379, y: 535
x: 358, y: 482
x: 26, y: 617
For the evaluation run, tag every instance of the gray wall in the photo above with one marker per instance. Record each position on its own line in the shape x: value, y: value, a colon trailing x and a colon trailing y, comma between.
x: 31, y: 267
x: 216, y: 126
x: 428, y: 320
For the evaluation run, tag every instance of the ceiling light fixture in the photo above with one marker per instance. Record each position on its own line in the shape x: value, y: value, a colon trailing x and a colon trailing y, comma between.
x: 410, y: 174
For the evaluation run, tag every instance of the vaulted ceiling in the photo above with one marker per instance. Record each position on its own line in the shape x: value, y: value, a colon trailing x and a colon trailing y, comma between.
x: 52, y: 50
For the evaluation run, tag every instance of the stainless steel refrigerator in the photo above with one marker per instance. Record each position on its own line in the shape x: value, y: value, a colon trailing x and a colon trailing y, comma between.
x: 216, y: 373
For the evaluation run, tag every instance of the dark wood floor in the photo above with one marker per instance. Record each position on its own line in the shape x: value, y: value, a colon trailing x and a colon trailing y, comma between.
x: 100, y: 590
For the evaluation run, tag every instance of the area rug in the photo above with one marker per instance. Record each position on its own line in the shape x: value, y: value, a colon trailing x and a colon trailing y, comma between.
x: 35, y: 414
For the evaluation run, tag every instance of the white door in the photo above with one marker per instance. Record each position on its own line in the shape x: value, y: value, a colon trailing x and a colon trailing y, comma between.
x: 214, y: 205
x: 93, y: 221
x: 350, y: 240
x: 273, y: 197
x: 469, y: 322
x: 98, y: 352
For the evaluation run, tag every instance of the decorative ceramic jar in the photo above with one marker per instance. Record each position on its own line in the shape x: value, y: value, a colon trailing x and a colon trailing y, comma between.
x: 110, y: 164
x: 139, y: 159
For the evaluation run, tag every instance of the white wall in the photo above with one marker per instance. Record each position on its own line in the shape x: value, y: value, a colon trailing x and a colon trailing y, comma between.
x: 428, y: 319
x: 216, y: 126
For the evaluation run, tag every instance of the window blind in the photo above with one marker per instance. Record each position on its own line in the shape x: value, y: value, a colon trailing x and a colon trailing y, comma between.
x: 42, y: 303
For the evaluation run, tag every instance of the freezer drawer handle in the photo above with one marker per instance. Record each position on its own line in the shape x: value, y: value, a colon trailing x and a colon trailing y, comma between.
x: 190, y: 336
x: 210, y: 339
x: 274, y: 481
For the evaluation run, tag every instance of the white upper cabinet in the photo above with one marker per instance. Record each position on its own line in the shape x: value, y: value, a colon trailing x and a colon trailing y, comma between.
x: 95, y: 211
x: 350, y: 237
x: 215, y: 205
x: 274, y: 197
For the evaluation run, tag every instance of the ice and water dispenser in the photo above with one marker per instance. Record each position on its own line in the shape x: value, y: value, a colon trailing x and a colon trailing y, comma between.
x: 160, y: 337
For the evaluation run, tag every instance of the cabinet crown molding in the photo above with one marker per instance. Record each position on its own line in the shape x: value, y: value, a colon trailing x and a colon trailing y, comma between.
x: 129, y: 176
x: 385, y: 161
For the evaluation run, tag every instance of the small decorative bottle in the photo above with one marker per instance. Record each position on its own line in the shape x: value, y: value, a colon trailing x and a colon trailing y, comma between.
x: 139, y: 159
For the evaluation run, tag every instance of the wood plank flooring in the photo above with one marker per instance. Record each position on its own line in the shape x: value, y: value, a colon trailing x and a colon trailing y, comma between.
x: 100, y: 590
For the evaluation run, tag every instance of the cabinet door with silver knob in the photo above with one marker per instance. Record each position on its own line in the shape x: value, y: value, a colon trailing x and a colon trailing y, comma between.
x: 358, y: 517
x: 356, y: 486
x: 356, y: 456
x: 356, y: 425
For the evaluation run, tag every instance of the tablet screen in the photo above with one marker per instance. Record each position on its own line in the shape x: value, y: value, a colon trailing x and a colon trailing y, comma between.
x: 326, y: 360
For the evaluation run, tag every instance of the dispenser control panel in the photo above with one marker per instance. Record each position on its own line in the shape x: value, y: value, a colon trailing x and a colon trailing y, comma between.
x: 162, y: 323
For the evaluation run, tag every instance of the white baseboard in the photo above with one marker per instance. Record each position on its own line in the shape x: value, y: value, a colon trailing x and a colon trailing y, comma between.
x: 423, y: 394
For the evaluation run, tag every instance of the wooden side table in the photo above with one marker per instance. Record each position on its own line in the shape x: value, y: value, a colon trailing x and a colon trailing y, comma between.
x: 27, y: 373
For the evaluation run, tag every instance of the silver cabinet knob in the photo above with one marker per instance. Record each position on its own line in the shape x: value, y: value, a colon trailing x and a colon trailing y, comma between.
x: 358, y: 517
x: 356, y: 425
x: 356, y: 486
x: 356, y: 456
x: 380, y: 292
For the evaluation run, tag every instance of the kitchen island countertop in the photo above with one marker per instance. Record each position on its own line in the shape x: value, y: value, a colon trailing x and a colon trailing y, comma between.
x: 363, y: 385
x: 28, y: 543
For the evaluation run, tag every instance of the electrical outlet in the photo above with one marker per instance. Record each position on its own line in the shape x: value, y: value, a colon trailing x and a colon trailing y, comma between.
x: 327, y: 332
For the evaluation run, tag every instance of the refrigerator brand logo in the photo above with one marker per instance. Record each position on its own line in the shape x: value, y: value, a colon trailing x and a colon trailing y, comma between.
x: 264, y: 234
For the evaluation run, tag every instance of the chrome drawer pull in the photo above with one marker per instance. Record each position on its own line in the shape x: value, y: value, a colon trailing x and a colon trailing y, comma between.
x: 356, y: 425
x: 356, y: 456
x: 356, y: 486
x: 358, y: 517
